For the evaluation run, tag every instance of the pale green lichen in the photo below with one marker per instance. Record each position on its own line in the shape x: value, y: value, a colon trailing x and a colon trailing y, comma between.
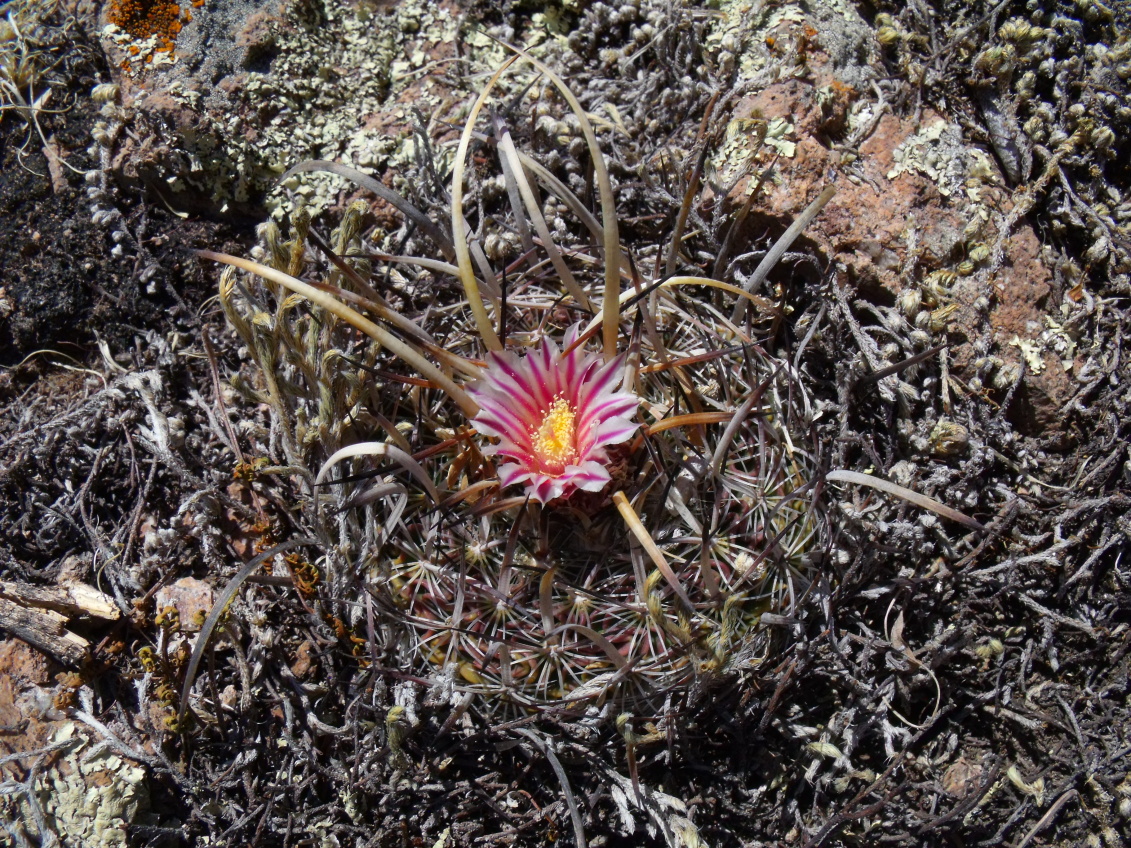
x: 740, y: 41
x: 743, y: 138
x: 90, y: 795
x: 936, y: 151
x: 1032, y: 352
x: 1058, y: 342
x: 327, y: 86
x: 777, y: 137
x: 961, y: 173
x: 731, y: 40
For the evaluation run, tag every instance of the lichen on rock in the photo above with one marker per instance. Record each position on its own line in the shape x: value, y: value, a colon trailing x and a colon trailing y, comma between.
x: 254, y: 91
x: 90, y: 795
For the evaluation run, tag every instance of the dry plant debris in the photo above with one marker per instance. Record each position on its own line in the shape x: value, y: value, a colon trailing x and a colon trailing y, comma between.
x: 933, y: 686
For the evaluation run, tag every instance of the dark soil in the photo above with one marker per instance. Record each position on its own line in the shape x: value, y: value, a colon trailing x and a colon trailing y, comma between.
x: 68, y: 284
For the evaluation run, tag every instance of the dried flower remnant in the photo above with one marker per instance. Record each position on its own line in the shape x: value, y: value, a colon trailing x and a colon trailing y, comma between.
x: 554, y: 413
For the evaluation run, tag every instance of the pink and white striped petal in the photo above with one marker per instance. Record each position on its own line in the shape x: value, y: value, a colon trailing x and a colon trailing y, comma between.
x: 554, y: 413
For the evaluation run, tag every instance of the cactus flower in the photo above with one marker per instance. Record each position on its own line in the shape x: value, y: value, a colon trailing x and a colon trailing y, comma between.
x: 554, y: 415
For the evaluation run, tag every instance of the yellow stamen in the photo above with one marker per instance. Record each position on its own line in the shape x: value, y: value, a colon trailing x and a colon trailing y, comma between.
x: 554, y: 439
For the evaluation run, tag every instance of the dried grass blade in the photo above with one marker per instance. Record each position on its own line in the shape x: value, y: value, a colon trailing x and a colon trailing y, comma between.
x: 907, y: 363
x: 467, y: 492
x: 629, y: 298
x: 482, y: 510
x: 691, y: 419
x: 909, y: 495
x: 457, y: 615
x: 781, y: 246
x: 707, y: 281
x: 344, y: 267
x: 218, y: 609
x: 491, y: 286
x: 694, y: 359
x: 732, y: 428
x: 381, y: 449
x: 685, y: 208
x: 546, y: 602
x: 434, y: 265
x: 574, y: 813
x: 390, y: 315
x: 563, y: 193
x: 510, y: 154
x: 615, y: 656
x: 707, y: 570
x: 610, y: 305
x: 504, y: 665
x: 645, y: 538
x: 514, y: 193
x: 399, y: 348
x: 388, y: 195
x: 383, y: 490
x: 459, y: 224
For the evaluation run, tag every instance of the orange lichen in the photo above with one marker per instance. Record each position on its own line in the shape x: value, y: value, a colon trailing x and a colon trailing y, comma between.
x: 150, y: 18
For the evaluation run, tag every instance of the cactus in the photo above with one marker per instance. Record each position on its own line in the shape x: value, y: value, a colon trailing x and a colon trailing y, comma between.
x: 539, y: 519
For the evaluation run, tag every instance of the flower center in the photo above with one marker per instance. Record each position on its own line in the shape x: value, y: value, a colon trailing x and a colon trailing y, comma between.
x: 553, y: 441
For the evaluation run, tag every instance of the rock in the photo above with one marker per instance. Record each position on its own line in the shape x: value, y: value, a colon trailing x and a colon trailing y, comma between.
x: 306, y: 660
x: 193, y: 599
x: 913, y: 199
x: 26, y: 708
x: 89, y: 794
x: 252, y: 88
x: 961, y: 778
